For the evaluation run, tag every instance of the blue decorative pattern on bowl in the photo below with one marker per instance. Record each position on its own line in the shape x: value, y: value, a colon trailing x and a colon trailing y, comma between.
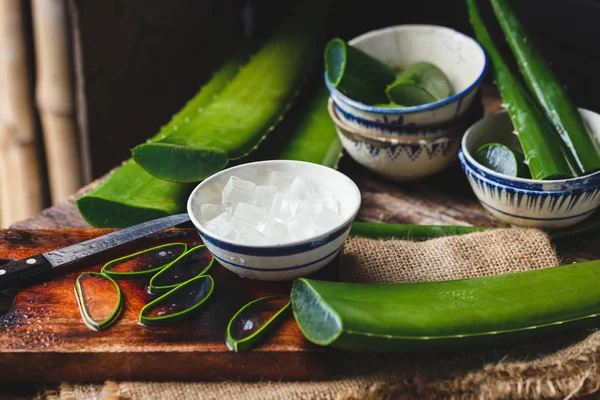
x: 532, y: 208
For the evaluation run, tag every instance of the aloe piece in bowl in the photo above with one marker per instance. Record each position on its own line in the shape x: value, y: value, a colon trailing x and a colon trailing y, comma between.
x: 145, y: 263
x: 194, y: 262
x: 254, y: 321
x: 502, y: 159
x: 179, y: 303
x: 420, y: 83
x: 99, y: 299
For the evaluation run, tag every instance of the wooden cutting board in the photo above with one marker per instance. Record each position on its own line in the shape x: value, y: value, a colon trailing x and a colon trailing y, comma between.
x: 43, y: 338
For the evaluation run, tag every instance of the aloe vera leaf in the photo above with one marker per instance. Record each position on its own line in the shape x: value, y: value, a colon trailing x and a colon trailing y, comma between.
x: 428, y: 315
x: 130, y: 195
x: 582, y: 149
x: 502, y: 159
x: 179, y: 303
x: 420, y: 83
x: 355, y: 73
x: 255, y: 320
x: 410, y: 232
x: 314, y: 139
x: 541, y: 146
x: 145, y: 263
x: 93, y: 291
x: 246, y: 111
x: 196, y: 261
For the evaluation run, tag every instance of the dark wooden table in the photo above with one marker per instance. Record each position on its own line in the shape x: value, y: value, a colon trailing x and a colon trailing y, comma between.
x: 444, y: 199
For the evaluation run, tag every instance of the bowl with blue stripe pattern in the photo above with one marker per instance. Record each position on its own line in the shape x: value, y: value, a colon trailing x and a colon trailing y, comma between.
x: 459, y: 56
x: 545, y: 204
x: 277, y: 262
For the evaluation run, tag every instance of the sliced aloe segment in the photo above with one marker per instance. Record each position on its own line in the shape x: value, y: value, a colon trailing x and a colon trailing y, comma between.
x: 502, y: 159
x: 179, y: 303
x: 256, y: 320
x: 195, y: 262
x: 356, y: 73
x: 99, y: 299
x: 420, y: 83
x: 145, y: 263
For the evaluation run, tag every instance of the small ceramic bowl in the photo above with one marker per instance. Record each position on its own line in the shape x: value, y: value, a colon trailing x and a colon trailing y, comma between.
x: 278, y: 262
x: 459, y: 56
x: 395, y: 158
x: 547, y: 204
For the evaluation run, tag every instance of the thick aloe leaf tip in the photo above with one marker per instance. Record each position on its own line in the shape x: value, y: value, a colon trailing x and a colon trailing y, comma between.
x: 318, y: 322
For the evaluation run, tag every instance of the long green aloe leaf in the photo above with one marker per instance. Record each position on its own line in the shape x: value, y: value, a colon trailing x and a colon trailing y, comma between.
x: 541, y: 145
x: 582, y: 149
x: 240, y: 118
x: 130, y: 195
x: 428, y: 315
x: 410, y: 232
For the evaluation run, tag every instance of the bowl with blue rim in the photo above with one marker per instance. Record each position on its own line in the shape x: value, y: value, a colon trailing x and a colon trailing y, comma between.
x: 460, y: 58
x: 312, y: 237
x: 547, y: 204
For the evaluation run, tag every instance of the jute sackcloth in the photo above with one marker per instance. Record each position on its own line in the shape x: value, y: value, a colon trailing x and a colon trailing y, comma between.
x: 559, y: 367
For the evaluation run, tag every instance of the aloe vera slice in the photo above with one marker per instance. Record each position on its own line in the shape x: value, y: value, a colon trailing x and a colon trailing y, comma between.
x: 582, y: 149
x: 420, y: 83
x: 410, y: 232
x: 130, y: 195
x: 246, y: 111
x: 254, y: 321
x: 179, y: 303
x: 145, y: 263
x: 502, y: 159
x: 430, y: 315
x: 99, y: 299
x: 194, y: 262
x: 355, y: 73
x: 542, y: 147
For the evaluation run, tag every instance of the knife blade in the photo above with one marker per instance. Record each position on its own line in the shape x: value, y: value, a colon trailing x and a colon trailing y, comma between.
x: 14, y: 272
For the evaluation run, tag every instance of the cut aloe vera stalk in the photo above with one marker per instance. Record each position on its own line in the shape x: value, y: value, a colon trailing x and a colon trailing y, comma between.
x: 246, y: 111
x: 355, y: 73
x: 195, y: 262
x: 410, y: 232
x: 130, y: 195
x: 254, y: 321
x: 420, y: 83
x: 145, y: 263
x: 99, y: 299
x: 179, y: 303
x: 581, y: 147
x: 430, y: 315
x: 542, y: 147
x: 502, y: 159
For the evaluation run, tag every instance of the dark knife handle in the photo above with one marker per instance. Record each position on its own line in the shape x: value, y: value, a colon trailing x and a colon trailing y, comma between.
x: 13, y: 272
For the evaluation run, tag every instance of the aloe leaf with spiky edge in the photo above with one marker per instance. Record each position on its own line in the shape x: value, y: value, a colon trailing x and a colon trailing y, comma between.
x: 130, y: 195
x: 541, y: 146
x: 247, y: 110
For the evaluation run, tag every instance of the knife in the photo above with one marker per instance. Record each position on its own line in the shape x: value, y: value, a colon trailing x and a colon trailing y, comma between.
x: 14, y: 272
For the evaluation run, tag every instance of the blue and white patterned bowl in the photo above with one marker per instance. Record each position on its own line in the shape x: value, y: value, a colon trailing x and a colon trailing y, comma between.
x: 396, y: 158
x: 283, y: 261
x: 527, y: 202
x: 460, y: 57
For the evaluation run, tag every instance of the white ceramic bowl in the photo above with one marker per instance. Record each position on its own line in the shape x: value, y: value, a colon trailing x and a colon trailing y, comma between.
x: 396, y: 158
x: 282, y: 261
x: 545, y: 204
x: 459, y: 56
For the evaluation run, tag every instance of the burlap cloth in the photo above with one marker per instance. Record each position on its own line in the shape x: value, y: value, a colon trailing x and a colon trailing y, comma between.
x: 559, y: 367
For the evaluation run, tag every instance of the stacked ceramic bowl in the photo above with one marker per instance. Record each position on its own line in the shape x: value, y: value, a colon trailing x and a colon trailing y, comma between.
x: 408, y: 143
x: 544, y: 204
